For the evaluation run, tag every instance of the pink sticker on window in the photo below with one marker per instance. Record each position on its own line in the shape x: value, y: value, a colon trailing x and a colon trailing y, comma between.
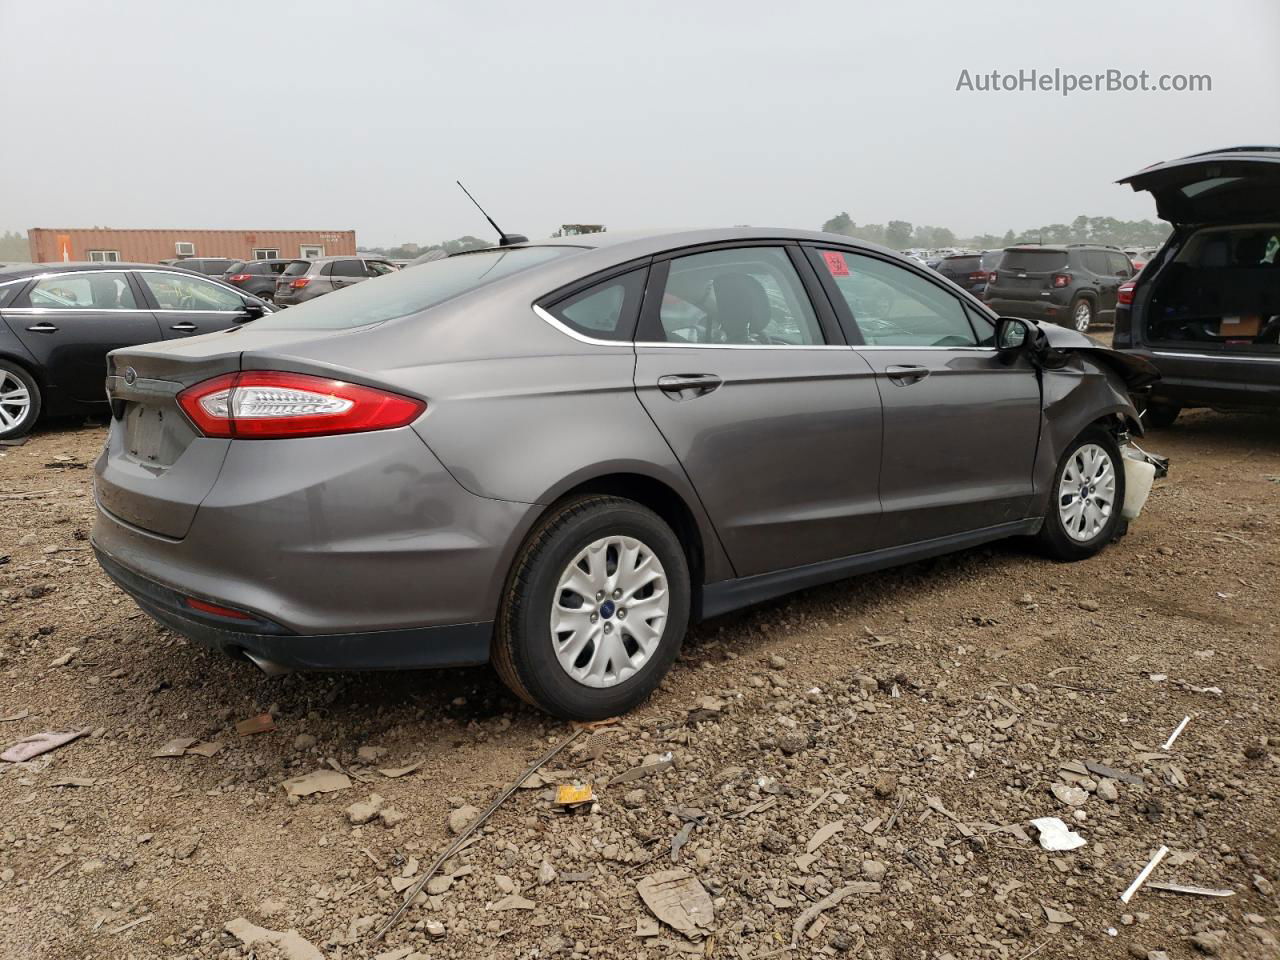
x: 836, y: 263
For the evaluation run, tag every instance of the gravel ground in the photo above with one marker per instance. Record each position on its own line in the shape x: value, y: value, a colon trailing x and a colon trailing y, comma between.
x: 852, y: 770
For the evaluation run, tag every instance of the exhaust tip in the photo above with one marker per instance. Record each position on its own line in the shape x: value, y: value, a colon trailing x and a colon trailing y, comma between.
x: 269, y: 667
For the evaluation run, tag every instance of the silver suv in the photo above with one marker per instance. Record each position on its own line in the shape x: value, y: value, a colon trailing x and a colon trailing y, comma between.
x: 304, y: 280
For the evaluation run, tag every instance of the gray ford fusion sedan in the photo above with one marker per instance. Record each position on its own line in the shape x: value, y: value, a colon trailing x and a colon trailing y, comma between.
x: 556, y: 456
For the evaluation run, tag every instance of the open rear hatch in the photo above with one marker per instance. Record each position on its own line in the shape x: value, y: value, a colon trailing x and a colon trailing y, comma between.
x: 1235, y: 185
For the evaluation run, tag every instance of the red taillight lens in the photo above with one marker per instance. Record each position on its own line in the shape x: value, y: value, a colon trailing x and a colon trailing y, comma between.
x: 300, y: 283
x: 979, y: 275
x: 239, y: 277
x: 1061, y: 279
x: 1124, y: 293
x: 264, y: 405
x: 991, y: 278
x: 216, y: 610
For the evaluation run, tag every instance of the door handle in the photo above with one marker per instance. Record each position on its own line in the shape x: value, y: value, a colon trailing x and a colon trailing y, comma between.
x: 184, y: 327
x: 687, y: 386
x: 906, y: 374
x: 43, y: 328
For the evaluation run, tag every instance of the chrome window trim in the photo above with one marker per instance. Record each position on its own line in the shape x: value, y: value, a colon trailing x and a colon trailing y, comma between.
x: 37, y: 311
x: 955, y: 348
x: 580, y: 337
x: 1173, y: 355
x: 663, y: 344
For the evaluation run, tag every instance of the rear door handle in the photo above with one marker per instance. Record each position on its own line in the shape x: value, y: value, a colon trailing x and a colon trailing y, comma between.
x: 906, y: 374
x: 184, y: 327
x: 687, y: 386
x: 43, y: 328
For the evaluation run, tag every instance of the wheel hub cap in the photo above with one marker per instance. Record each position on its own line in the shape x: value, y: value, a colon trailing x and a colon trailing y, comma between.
x: 609, y: 611
x: 1087, y: 492
x: 15, y: 401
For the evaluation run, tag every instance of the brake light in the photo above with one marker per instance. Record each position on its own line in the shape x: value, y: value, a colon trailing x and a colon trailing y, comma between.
x: 978, y: 275
x: 1124, y: 293
x: 991, y: 278
x: 239, y: 277
x: 214, y: 609
x: 266, y: 405
x: 300, y: 283
x: 1061, y: 279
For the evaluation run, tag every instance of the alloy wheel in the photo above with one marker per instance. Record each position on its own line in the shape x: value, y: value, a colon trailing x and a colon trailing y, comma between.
x: 15, y: 401
x: 1087, y: 492
x: 609, y: 611
x: 1082, y: 316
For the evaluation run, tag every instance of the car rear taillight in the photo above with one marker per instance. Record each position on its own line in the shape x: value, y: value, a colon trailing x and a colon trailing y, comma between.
x: 265, y: 405
x: 300, y: 283
x: 239, y: 277
x: 991, y: 278
x: 979, y: 275
x: 1124, y: 293
x: 1061, y: 279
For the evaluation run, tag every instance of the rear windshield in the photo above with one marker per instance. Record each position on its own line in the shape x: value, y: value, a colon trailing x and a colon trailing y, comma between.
x: 407, y: 291
x: 960, y: 264
x: 991, y: 258
x: 1033, y: 260
x: 297, y: 268
x: 236, y: 267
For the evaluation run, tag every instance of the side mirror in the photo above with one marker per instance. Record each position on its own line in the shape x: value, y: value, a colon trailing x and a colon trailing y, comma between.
x: 1014, y: 336
x: 252, y: 310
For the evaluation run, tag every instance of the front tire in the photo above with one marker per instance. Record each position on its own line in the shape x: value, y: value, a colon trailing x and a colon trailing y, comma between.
x: 595, y: 610
x: 1083, y: 515
x: 19, y: 401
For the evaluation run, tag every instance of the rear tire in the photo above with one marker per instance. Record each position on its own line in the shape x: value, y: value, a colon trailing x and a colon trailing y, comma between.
x: 1083, y: 514
x: 1081, y: 315
x: 1161, y: 415
x: 573, y: 652
x: 19, y: 401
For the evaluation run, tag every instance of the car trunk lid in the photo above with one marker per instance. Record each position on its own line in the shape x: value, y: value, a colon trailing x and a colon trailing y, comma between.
x: 157, y: 468
x: 1026, y: 272
x: 1237, y: 185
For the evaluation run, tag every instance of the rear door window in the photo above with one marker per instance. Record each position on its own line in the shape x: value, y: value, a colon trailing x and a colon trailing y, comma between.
x: 605, y: 311
x: 893, y: 307
x: 348, y: 268
x: 744, y: 296
x: 83, y: 291
x: 379, y: 268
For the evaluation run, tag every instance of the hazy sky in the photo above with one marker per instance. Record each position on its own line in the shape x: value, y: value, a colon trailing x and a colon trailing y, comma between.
x: 321, y: 114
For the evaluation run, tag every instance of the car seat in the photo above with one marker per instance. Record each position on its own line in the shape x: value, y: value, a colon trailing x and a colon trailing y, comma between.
x: 742, y: 307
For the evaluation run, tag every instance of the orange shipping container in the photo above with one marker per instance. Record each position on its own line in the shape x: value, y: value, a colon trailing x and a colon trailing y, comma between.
x: 152, y: 246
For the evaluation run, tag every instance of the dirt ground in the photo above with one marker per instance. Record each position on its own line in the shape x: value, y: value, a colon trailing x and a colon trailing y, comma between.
x: 853, y: 769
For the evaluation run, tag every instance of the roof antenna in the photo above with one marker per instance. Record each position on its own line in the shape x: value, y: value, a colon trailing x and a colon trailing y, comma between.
x: 504, y: 239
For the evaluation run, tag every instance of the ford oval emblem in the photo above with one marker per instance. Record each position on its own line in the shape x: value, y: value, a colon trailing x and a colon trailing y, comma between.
x: 130, y: 375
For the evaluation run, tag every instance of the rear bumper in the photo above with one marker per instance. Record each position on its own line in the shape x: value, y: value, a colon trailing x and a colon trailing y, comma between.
x: 1041, y: 308
x: 454, y: 645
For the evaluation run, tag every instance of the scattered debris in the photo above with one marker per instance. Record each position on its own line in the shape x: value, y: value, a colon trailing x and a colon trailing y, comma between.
x: 826, y: 903
x: 1146, y: 872
x: 1190, y: 889
x: 1174, y: 736
x: 1111, y: 773
x: 262, y: 723
x: 648, y: 768
x: 677, y: 899
x: 210, y: 749
x: 291, y: 944
x: 20, y: 715
x: 824, y: 834
x: 574, y: 795
x: 1071, y: 796
x: 1056, y: 916
x: 319, y: 781
x: 1055, y: 835
x: 175, y: 747
x: 394, y: 773
x: 38, y: 743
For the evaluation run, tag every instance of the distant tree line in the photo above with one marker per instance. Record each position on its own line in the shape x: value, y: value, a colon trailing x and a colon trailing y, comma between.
x: 901, y: 235
x: 411, y: 251
x: 14, y: 247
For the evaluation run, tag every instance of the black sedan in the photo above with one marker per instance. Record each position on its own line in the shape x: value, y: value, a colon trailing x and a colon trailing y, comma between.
x: 59, y: 320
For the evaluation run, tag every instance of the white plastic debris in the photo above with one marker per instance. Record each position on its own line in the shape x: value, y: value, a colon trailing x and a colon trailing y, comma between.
x: 1056, y: 835
x: 1174, y: 736
x: 1146, y: 871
